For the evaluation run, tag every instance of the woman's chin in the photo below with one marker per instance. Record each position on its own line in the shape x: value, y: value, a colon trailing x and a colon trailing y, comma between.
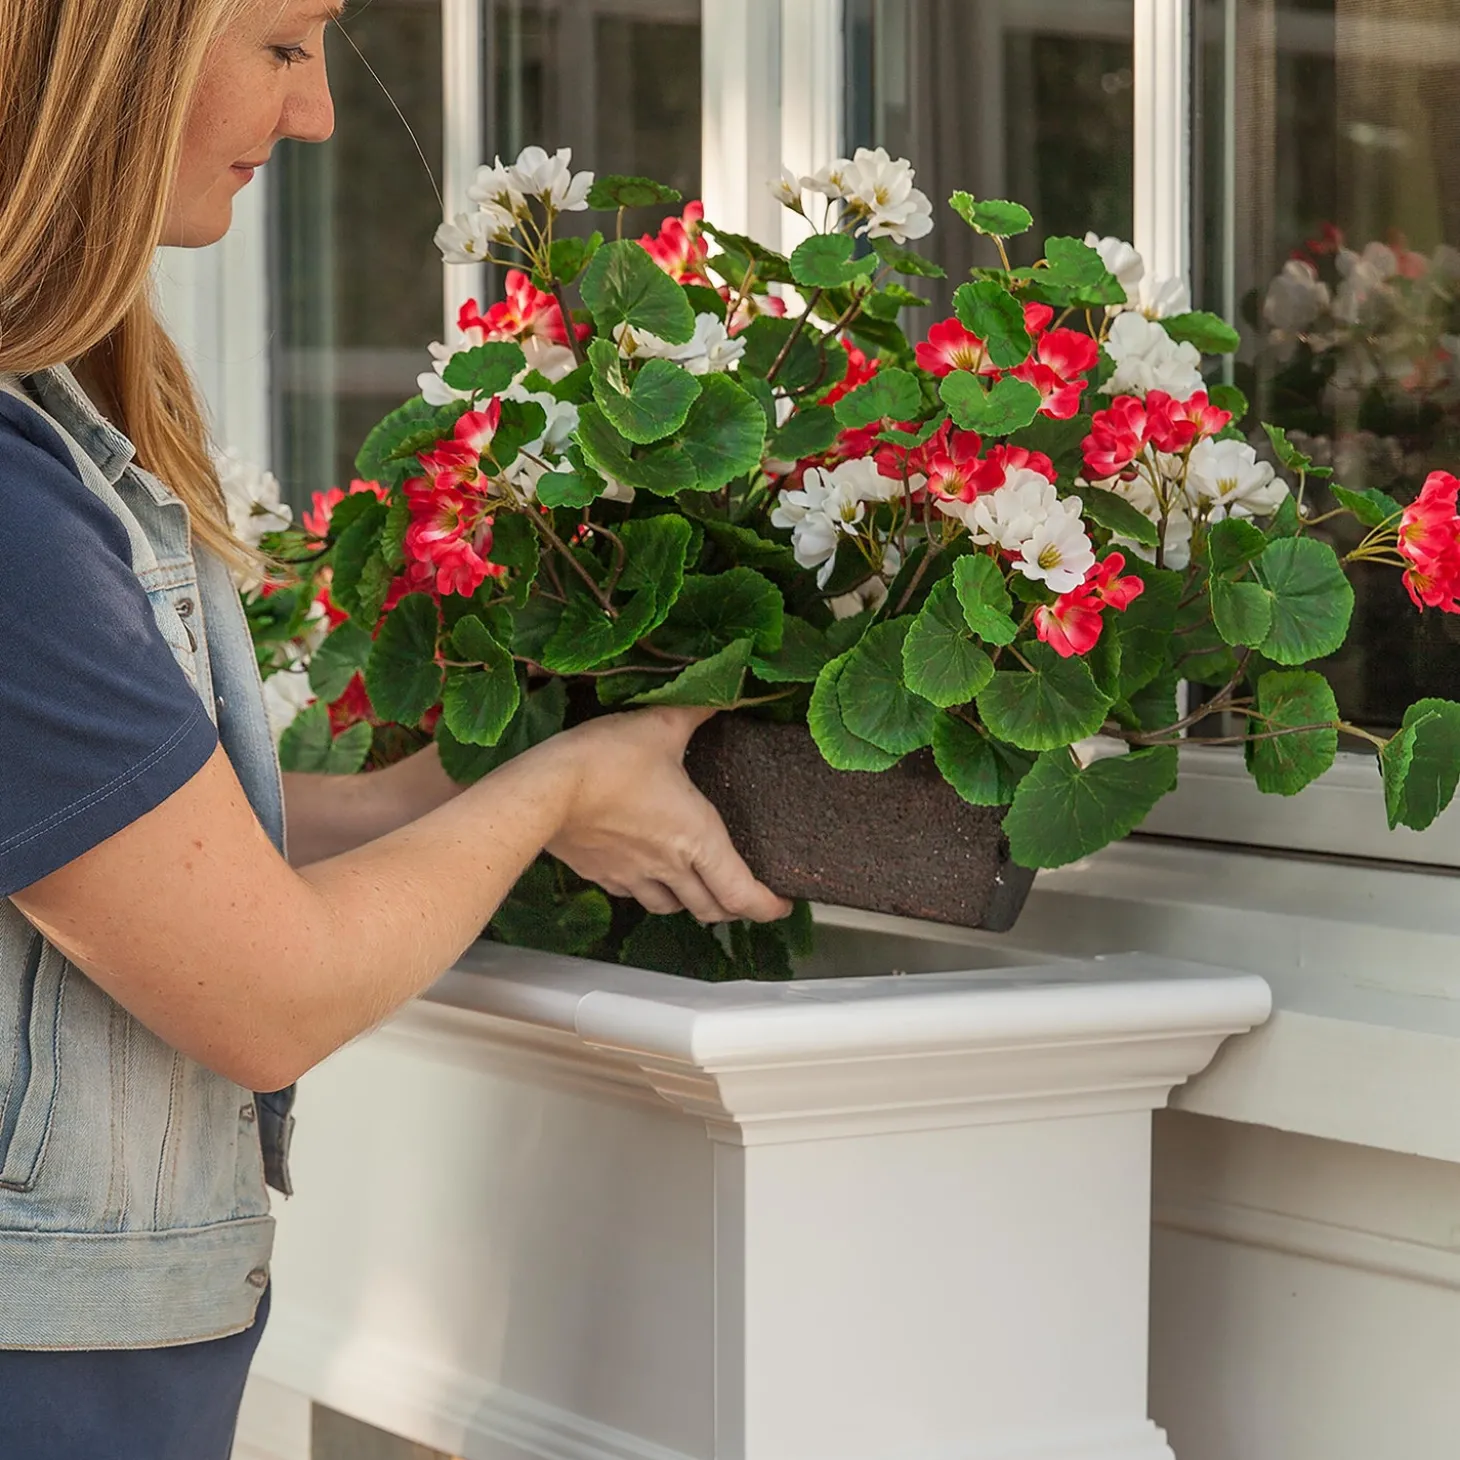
x: 201, y: 227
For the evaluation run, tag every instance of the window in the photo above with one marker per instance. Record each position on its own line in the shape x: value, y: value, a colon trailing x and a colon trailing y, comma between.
x: 1220, y: 135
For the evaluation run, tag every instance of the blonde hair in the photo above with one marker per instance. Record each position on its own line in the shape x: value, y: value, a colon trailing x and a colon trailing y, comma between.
x: 94, y: 98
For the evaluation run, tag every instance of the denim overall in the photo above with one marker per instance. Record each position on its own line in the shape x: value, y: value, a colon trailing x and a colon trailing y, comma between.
x: 133, y: 1209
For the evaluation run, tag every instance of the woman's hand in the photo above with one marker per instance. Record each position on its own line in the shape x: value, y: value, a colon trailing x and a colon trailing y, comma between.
x: 638, y: 826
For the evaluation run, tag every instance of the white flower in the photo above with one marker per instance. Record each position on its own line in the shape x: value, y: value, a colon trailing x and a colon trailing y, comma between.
x: 1227, y: 479
x: 787, y: 189
x: 872, y: 593
x: 495, y: 188
x: 1295, y: 298
x: 1147, y: 358
x: 560, y: 421
x: 1058, y: 553
x: 469, y: 239
x: 819, y: 514
x: 1122, y: 260
x: 551, y: 179
x: 1161, y: 298
x: 286, y: 694
x: 254, y: 508
x: 1142, y: 496
x: 1010, y: 514
x: 882, y: 189
x: 829, y: 181
x: 709, y: 351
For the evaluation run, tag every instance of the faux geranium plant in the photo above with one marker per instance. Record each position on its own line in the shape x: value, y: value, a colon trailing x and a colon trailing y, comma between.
x: 691, y: 469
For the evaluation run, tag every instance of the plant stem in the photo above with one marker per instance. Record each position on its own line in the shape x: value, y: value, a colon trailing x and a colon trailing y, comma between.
x: 567, y: 554
x: 811, y: 303
x: 574, y: 343
x: 917, y: 577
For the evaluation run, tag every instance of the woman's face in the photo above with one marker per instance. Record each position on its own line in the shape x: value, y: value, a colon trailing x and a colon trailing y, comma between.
x: 264, y: 80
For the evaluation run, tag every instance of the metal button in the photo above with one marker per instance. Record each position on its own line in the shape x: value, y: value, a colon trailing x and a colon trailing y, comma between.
x: 258, y: 1277
x: 184, y: 612
x: 184, y: 607
x: 248, y: 1113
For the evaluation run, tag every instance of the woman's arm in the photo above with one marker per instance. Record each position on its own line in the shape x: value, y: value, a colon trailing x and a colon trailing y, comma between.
x: 192, y: 921
x: 327, y: 815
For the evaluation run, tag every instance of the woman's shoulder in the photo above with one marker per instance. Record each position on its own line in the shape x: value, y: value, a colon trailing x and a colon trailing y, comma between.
x: 44, y: 503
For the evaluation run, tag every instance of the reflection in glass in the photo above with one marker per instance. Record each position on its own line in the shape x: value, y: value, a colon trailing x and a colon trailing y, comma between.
x: 618, y: 81
x: 356, y: 279
x: 1329, y: 176
x: 1002, y: 98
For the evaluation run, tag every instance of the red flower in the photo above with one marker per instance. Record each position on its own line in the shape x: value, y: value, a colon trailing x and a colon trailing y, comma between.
x: 1004, y: 458
x: 526, y: 312
x: 1072, y: 624
x: 448, y: 541
x: 457, y: 463
x: 679, y: 249
x: 1429, y: 540
x: 317, y: 523
x: 951, y: 347
x: 750, y: 309
x: 950, y: 461
x: 1177, y: 424
x: 1117, y: 436
x: 352, y: 707
x: 859, y: 371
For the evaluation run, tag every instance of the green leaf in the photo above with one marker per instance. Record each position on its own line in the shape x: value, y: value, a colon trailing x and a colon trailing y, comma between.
x: 1010, y: 405
x: 402, y: 676
x: 905, y: 261
x: 1291, y: 699
x: 1312, y: 600
x: 724, y: 436
x: 997, y: 318
x: 356, y: 545
x: 824, y: 261
x: 748, y: 548
x: 1111, y: 510
x: 1421, y: 764
x: 646, y: 405
x: 1228, y: 398
x: 568, y: 489
x: 808, y: 433
x: 984, y: 771
x: 890, y: 395
x: 478, y: 704
x: 1372, y: 507
x: 1210, y: 333
x: 1053, y: 704
x: 676, y: 944
x: 1074, y: 273
x: 568, y: 257
x: 539, y: 913
x: 913, y: 439
x: 876, y: 705
x: 415, y: 420
x: 805, y: 361
x: 538, y: 717
x: 485, y: 369
x: 1061, y: 813
x: 1233, y: 544
x: 310, y: 746
x: 716, y: 681
x: 624, y: 285
x: 979, y: 582
x: 338, y: 660
x: 1290, y: 456
x: 1241, y: 612
x: 840, y: 747
x: 515, y: 546
x: 889, y: 301
x: 1153, y: 706
x: 664, y: 469
x: 994, y: 216
x: 770, y: 267
x: 939, y: 658
x: 585, y: 636
x: 760, y: 951
x: 619, y: 190
x: 715, y: 609
x: 802, y: 656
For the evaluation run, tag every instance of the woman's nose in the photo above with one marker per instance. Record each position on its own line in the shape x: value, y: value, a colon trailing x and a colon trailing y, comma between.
x: 309, y: 112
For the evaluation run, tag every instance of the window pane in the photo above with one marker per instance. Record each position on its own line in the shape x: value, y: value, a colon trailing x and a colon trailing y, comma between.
x: 1328, y: 215
x: 618, y: 81
x: 356, y: 277
x: 1005, y: 99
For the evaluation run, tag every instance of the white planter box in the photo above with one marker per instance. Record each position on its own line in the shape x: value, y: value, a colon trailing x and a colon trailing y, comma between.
x: 569, y: 1211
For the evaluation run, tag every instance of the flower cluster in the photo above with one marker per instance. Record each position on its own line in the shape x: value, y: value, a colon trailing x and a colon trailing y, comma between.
x: 1072, y: 624
x: 1429, y: 542
x: 503, y: 196
x: 875, y: 190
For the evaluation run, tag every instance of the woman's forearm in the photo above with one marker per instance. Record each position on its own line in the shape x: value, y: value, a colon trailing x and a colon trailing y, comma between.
x: 327, y: 815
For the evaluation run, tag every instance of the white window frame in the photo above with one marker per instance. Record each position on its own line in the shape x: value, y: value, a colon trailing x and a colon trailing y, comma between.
x: 773, y: 92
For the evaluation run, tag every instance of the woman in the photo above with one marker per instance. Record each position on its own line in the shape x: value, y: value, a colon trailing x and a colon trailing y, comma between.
x: 160, y: 960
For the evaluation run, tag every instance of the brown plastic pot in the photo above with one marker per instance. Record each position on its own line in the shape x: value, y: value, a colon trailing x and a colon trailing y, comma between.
x: 900, y: 841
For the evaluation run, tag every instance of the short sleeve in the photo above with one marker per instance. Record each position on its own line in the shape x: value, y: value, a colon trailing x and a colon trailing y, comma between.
x: 98, y: 723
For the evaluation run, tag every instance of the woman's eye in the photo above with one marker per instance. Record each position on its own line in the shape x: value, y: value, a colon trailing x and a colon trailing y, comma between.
x: 292, y: 55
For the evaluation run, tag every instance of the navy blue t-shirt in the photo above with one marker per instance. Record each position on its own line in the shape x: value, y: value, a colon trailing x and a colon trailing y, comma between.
x: 98, y: 723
